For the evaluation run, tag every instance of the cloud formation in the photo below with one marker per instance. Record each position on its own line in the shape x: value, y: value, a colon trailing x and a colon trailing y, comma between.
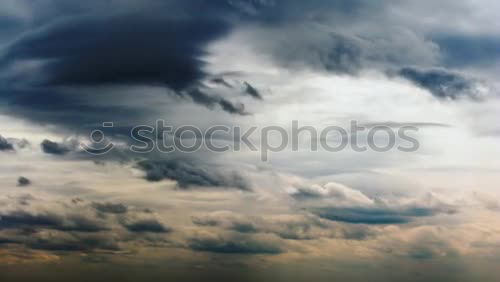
x: 444, y: 84
x: 287, y: 227
x: 188, y: 174
x: 23, y: 181
x: 5, y: 145
x: 337, y: 202
x: 54, y: 148
x: 67, y: 67
x: 75, y: 226
x: 110, y: 208
x: 235, y: 244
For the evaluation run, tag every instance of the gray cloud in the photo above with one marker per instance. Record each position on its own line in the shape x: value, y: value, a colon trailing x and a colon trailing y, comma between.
x: 321, y: 50
x: 280, y: 12
x: 233, y: 245
x: 165, y: 49
x: 54, y: 148
x: 71, y: 222
x: 221, y: 81
x: 187, y: 174
x: 350, y: 38
x: 375, y: 215
x: 77, y: 227
x: 23, y: 181
x: 340, y: 203
x: 200, y: 97
x: 335, y: 46
x: 110, y: 208
x: 152, y: 43
x: 75, y: 63
x: 380, y: 215
x: 420, y: 243
x: 442, y: 83
x: 5, y: 145
x: 147, y: 43
x: 469, y: 50
x: 74, y: 242
x: 147, y: 225
x: 252, y: 91
x: 297, y: 227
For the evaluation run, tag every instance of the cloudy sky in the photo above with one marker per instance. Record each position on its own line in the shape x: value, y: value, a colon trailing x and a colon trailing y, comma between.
x: 431, y: 214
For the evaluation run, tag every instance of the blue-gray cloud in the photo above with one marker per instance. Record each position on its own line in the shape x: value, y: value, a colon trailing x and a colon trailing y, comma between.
x: 54, y: 148
x: 376, y: 215
x: 110, y: 208
x: 336, y: 202
x: 233, y: 245
x: 5, y: 145
x: 469, y: 50
x: 188, y: 174
x: 147, y: 225
x: 442, y: 83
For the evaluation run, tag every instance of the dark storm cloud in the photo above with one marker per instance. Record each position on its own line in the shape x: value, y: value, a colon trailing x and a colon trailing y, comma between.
x: 188, y: 174
x: 110, y: 208
x: 128, y: 49
x: 162, y: 43
x: 148, y: 43
x: 63, y: 107
x: 147, y: 225
x: 54, y: 148
x: 442, y: 83
x: 233, y: 245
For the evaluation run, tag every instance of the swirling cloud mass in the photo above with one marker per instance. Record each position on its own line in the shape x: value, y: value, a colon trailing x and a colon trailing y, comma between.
x: 71, y: 71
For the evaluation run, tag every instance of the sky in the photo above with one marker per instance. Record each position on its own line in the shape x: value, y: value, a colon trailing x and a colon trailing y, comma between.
x: 69, y: 69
